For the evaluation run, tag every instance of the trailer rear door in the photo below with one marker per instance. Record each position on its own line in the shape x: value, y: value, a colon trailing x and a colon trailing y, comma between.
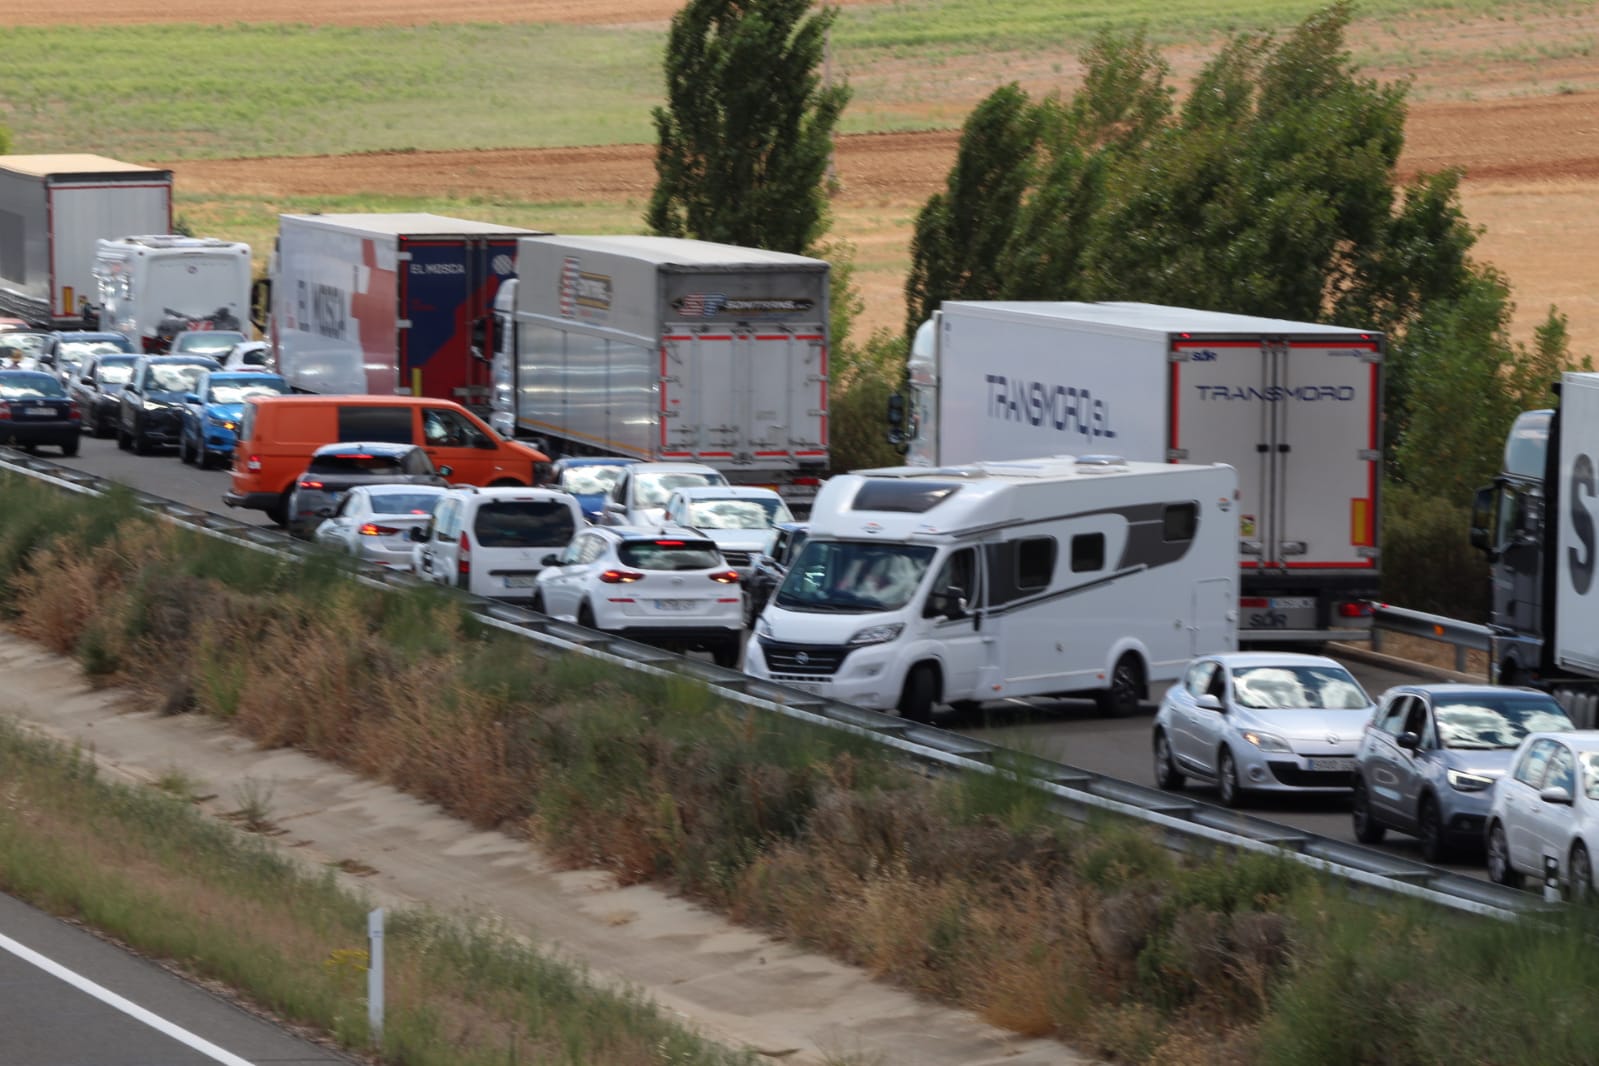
x: 1299, y: 420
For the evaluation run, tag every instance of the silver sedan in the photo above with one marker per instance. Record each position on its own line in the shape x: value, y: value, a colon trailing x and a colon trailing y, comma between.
x: 1261, y: 722
x: 374, y: 522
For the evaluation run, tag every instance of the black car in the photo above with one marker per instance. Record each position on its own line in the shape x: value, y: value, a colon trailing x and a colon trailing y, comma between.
x: 152, y: 401
x: 337, y: 468
x: 35, y: 409
x: 770, y: 567
x: 97, y: 386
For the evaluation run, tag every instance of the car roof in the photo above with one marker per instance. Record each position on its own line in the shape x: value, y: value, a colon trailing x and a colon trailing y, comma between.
x: 384, y: 488
x: 653, y: 532
x: 675, y: 468
x: 1582, y: 740
x: 1460, y: 688
x: 373, y: 447
x: 184, y: 360
x: 501, y: 492
x: 726, y: 492
x: 1234, y: 659
x: 594, y: 460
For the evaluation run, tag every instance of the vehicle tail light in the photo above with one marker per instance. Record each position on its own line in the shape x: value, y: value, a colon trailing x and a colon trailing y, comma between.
x: 253, y: 464
x: 463, y: 562
x: 668, y: 544
x: 1354, y: 609
x: 154, y: 345
x: 807, y: 481
x: 621, y: 577
x: 73, y: 413
x: 1254, y: 603
x: 310, y: 483
x: 726, y: 577
x: 5, y: 410
x: 372, y: 529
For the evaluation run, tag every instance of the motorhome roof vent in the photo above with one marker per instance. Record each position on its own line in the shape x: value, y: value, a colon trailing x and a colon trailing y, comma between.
x: 912, y: 496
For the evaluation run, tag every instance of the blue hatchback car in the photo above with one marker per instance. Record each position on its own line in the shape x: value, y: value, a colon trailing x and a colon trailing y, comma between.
x: 210, y: 416
x: 589, y: 478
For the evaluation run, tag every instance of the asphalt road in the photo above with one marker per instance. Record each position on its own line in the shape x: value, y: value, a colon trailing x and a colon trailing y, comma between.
x: 1069, y: 731
x: 68, y: 998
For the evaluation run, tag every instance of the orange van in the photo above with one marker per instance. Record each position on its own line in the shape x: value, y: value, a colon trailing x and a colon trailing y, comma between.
x: 278, y: 434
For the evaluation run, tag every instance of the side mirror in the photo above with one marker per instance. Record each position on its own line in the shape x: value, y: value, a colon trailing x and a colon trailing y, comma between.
x: 324, y: 512
x: 1482, y: 510
x: 47, y: 360
x: 419, y: 534
x: 1205, y: 701
x: 1555, y: 794
x: 446, y: 471
x: 1409, y: 741
x: 896, y: 410
x: 954, y: 603
x: 552, y: 559
x: 191, y: 397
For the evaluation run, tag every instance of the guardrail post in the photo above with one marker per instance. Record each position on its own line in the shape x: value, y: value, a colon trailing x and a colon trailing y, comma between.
x: 1551, y: 879
x: 374, y: 975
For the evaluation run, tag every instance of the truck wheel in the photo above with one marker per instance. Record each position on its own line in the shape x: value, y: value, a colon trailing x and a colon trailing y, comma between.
x: 1121, y: 698
x: 916, y: 699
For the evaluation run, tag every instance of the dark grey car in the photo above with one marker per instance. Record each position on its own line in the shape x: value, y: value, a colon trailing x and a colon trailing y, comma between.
x: 1428, y: 760
x: 152, y: 401
x: 97, y: 386
x: 337, y: 468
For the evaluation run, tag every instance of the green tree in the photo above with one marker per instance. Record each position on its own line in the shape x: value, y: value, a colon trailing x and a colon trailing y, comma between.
x: 745, y: 137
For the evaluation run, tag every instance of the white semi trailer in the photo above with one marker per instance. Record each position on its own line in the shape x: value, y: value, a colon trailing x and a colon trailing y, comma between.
x: 1295, y: 407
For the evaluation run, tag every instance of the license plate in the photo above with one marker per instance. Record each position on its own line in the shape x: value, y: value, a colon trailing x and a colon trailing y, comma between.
x: 1293, y: 603
x: 675, y: 605
x: 1332, y: 766
x: 38, y: 411
x: 521, y: 581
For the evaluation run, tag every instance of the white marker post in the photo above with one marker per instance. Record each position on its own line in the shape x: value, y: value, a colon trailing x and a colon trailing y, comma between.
x: 374, y: 974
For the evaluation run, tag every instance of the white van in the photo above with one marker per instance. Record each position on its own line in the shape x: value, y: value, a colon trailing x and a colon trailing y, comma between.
x: 1063, y: 576
x: 492, y: 541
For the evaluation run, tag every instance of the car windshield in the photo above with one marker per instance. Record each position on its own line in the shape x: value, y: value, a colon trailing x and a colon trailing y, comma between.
x: 653, y: 490
x: 832, y: 575
x: 737, y: 513
x: 16, y: 344
x: 20, y: 385
x: 589, y: 480
x: 219, y: 340
x: 414, y: 503
x: 78, y: 350
x: 1589, y: 762
x: 1280, y: 687
x: 1490, y: 721
x: 174, y: 377
x: 669, y: 554
x: 114, y: 371
x: 524, y: 523
x: 237, y: 391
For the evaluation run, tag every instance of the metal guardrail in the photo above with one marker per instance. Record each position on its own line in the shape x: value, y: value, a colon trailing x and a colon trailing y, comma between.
x: 1184, y: 824
x: 1464, y: 636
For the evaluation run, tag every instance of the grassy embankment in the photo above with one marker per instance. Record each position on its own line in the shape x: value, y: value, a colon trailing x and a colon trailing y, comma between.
x: 965, y: 889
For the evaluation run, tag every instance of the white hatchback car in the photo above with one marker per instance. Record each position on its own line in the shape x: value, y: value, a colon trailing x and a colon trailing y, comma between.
x: 492, y: 541
x: 374, y: 522
x: 665, y: 586
x: 1547, y: 809
x: 638, y: 496
x: 741, y: 519
x: 1261, y: 721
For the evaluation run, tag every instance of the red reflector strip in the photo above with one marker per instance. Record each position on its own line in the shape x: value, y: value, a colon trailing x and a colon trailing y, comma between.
x: 1255, y: 602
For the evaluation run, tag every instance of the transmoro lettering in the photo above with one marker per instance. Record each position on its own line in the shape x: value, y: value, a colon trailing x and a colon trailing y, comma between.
x: 1278, y: 393
x: 1064, y: 408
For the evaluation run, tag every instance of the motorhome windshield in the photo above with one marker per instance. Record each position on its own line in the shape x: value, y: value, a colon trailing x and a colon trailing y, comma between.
x: 832, y: 575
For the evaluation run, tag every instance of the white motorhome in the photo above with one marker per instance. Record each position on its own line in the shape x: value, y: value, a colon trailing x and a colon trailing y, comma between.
x: 153, y: 287
x: 1087, y: 576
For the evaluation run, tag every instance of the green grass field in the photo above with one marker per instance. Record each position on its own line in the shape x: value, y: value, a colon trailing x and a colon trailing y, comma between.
x: 177, y: 91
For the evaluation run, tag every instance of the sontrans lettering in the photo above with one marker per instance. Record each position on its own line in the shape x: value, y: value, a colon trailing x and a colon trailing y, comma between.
x: 1065, y: 408
x: 1277, y: 393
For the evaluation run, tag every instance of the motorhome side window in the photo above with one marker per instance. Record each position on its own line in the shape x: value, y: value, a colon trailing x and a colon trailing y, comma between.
x: 1088, y: 552
x: 1035, y: 563
x: 1182, y: 519
x: 958, y: 576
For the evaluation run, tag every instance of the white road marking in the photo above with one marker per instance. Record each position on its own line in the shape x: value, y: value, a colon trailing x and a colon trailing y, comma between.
x: 132, y: 1010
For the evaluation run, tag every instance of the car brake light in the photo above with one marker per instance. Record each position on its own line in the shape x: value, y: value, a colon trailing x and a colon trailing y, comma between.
x: 1254, y: 603
x: 463, y: 562
x: 807, y: 481
x: 73, y: 414
x: 5, y: 410
x: 309, y: 483
x: 1354, y: 609
x: 253, y: 464
x: 668, y: 544
x: 620, y: 577
x: 372, y: 529
x: 726, y: 577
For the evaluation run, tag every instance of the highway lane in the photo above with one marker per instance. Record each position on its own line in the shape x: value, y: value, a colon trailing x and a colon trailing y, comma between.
x: 67, y: 997
x: 1066, y: 730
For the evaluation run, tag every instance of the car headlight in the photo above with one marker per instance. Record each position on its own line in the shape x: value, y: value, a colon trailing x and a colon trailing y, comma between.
x: 877, y: 634
x: 1266, y: 741
x: 154, y: 405
x: 220, y: 423
x: 1464, y: 782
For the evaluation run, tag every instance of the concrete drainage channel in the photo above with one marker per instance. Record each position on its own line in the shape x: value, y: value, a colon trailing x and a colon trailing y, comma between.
x: 1184, y: 825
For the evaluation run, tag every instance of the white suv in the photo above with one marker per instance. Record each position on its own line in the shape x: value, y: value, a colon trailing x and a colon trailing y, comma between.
x: 490, y: 541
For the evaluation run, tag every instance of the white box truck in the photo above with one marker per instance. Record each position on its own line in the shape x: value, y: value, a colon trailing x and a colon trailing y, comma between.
x: 53, y: 208
x: 386, y: 303
x: 669, y: 350
x: 1295, y: 407
x: 1539, y: 524
x: 151, y: 287
x: 919, y: 586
